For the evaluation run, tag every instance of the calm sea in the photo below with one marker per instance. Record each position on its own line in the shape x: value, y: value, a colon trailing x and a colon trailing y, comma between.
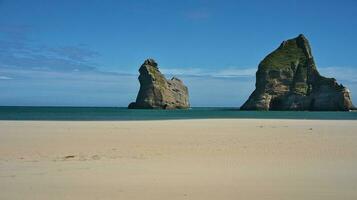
x: 117, y: 113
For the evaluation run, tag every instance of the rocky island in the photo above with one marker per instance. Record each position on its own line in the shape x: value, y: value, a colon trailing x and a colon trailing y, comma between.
x: 288, y: 79
x: 156, y: 92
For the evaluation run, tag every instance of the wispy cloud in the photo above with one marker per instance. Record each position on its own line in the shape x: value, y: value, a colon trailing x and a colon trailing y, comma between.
x: 182, y: 71
x: 22, y: 53
x: 119, y: 88
x: 79, y: 53
x: 342, y: 73
x: 230, y: 72
x: 236, y: 72
x: 67, y: 75
x: 5, y: 78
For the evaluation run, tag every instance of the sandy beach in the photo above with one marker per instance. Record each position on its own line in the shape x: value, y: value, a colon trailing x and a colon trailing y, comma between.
x: 179, y: 159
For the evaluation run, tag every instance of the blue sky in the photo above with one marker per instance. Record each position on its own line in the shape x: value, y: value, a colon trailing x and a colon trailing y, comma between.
x: 87, y: 53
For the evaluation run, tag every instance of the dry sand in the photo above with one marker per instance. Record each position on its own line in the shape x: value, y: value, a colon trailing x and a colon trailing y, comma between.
x: 182, y: 159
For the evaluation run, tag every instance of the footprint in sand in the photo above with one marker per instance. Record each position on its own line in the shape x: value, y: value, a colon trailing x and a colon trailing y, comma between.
x: 69, y: 157
x: 95, y: 157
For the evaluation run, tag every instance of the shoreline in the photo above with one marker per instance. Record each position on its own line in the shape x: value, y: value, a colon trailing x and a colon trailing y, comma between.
x: 168, y: 120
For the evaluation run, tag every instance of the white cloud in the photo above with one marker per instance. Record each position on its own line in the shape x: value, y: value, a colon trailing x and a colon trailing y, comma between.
x: 5, y: 78
x: 236, y: 72
x: 340, y: 73
x: 183, y: 71
x: 231, y: 72
x: 229, y: 86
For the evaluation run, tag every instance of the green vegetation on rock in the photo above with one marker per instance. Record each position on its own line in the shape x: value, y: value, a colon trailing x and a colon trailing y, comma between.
x: 284, y: 57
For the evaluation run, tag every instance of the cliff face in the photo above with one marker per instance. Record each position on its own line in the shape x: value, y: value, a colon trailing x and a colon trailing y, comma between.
x: 287, y: 79
x: 158, y: 93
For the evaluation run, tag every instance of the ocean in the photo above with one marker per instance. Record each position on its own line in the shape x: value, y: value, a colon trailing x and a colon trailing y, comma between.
x: 120, y: 113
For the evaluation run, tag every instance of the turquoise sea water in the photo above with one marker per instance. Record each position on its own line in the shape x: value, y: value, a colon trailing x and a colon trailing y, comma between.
x: 117, y: 113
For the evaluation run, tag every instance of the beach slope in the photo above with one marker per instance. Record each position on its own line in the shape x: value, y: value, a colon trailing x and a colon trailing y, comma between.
x: 179, y: 159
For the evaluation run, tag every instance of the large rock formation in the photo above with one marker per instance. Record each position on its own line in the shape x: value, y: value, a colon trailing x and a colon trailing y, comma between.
x: 287, y: 79
x: 158, y: 93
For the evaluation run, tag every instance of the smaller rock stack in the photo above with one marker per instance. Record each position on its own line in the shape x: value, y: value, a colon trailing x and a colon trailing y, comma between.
x: 156, y: 92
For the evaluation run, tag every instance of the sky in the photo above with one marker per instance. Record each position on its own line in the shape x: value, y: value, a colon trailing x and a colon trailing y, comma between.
x: 87, y: 53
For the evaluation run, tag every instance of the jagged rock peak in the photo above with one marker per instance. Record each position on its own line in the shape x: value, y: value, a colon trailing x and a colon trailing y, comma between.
x: 156, y: 92
x: 301, y: 42
x: 288, y: 79
x: 150, y: 62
